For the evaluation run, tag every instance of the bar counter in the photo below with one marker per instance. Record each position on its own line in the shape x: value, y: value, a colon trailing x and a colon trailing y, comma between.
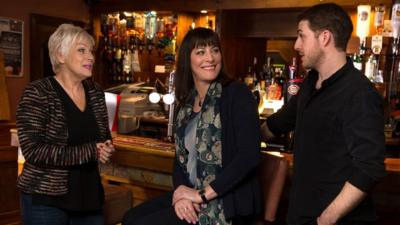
x: 165, y: 151
x: 145, y: 166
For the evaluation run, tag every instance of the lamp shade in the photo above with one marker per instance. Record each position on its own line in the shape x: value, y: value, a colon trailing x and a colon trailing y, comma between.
x: 154, y: 97
x: 168, y: 99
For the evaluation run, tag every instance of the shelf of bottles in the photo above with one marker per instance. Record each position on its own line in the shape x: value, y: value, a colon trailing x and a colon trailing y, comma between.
x: 274, y: 85
x: 368, y: 59
x: 130, y: 40
x: 378, y: 57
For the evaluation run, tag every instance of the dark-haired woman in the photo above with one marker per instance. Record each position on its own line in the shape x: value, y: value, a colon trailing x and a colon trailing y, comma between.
x: 217, y: 144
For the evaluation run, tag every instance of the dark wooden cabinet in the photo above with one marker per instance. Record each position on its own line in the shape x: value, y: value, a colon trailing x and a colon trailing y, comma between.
x: 9, y: 196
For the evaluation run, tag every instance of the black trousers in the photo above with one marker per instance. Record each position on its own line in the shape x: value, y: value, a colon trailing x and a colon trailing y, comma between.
x: 158, y: 211
x: 346, y: 223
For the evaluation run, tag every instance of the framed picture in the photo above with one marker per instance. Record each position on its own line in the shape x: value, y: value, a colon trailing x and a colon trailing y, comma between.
x: 11, y: 44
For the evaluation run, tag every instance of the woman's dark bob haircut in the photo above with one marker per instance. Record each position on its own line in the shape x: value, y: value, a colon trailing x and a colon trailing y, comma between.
x: 198, y: 37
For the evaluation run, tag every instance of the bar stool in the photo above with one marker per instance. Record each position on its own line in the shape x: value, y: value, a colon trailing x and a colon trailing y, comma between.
x: 117, y: 201
x: 272, y: 172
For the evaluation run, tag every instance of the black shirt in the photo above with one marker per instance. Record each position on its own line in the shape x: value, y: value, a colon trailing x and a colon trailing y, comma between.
x: 339, y: 137
x: 84, y: 183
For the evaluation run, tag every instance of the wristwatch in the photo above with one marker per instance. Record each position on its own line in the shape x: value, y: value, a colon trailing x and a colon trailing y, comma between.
x: 202, y: 196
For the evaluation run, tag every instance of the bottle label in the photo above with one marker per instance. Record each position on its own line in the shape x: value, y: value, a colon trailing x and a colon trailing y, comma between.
x: 293, y: 89
x: 376, y: 44
x: 378, y: 19
x: 357, y: 65
x: 363, y: 15
x: 274, y: 92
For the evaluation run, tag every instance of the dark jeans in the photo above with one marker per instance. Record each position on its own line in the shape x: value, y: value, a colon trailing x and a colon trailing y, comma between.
x: 48, y: 215
x: 158, y: 211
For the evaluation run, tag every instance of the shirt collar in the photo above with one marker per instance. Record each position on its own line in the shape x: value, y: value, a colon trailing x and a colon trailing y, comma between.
x: 336, y: 76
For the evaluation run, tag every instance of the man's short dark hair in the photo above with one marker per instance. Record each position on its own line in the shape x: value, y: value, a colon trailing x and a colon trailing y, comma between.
x: 332, y: 17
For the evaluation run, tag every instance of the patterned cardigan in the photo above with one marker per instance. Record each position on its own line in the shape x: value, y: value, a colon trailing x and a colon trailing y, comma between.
x: 43, y: 136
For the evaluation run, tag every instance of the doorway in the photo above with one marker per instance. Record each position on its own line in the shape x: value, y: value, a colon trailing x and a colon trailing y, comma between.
x: 41, y: 28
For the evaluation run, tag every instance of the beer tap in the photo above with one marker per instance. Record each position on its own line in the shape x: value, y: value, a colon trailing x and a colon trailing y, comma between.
x: 171, y: 92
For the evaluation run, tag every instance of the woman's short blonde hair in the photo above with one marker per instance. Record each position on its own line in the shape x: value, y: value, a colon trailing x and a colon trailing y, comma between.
x: 61, y: 41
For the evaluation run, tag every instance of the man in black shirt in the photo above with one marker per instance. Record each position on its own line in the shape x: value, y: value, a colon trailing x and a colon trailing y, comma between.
x: 338, y: 120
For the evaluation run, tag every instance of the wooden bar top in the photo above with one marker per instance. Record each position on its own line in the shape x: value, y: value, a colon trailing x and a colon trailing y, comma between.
x: 165, y: 149
x: 142, y: 144
x: 391, y: 164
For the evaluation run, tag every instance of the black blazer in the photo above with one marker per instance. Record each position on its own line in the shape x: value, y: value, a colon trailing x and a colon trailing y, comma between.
x: 237, y: 183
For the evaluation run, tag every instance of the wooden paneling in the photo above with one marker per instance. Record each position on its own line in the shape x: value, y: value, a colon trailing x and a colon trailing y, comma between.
x: 144, y: 161
x: 5, y: 135
x: 4, y: 104
x: 261, y: 23
x: 239, y: 51
x: 41, y: 29
x: 284, y: 47
x: 140, y: 191
x: 8, y: 195
x: 386, y: 196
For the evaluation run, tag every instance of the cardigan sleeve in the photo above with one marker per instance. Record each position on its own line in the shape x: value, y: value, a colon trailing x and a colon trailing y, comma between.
x: 33, y: 125
x: 246, y: 141
x: 178, y: 177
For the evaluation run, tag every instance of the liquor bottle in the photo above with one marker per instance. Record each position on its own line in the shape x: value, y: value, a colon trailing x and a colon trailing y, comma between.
x: 268, y: 73
x: 371, y: 67
x: 357, y: 61
x: 150, y: 24
x: 379, y: 83
x: 274, y: 90
x: 130, y: 22
x: 140, y: 43
x: 118, y: 60
x: 254, y: 72
x: 113, y: 61
x: 104, y: 25
x: 294, y: 81
x: 379, y: 18
x: 280, y: 80
x: 248, y: 79
x: 256, y: 84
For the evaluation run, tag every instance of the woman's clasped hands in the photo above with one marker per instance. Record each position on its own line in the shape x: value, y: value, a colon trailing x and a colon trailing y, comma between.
x: 104, y: 151
x: 186, y: 202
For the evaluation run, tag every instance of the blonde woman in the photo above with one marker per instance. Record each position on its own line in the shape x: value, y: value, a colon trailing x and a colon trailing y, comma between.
x: 63, y: 130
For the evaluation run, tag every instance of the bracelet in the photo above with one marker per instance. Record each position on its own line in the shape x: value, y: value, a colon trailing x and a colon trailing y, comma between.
x: 202, y: 196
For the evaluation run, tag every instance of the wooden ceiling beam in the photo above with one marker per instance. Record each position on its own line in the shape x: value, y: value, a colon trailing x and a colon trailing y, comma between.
x: 102, y: 6
x: 279, y: 4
